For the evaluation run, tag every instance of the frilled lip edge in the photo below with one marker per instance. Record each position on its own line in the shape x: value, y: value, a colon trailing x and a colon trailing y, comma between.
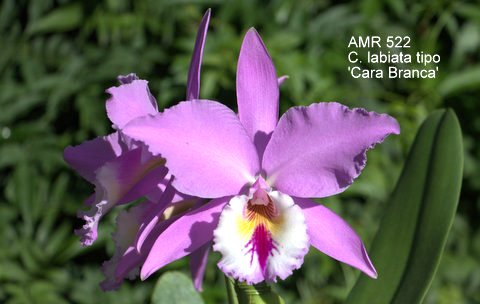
x: 254, y: 250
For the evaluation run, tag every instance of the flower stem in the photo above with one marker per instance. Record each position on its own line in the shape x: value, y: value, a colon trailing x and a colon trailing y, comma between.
x: 231, y: 295
x: 243, y: 293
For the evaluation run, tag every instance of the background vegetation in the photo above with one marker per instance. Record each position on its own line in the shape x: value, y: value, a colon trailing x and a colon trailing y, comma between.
x: 58, y: 57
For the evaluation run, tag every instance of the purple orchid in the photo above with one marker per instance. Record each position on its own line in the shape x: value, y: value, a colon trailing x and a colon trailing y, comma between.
x: 261, y: 173
x: 123, y: 170
x: 120, y: 169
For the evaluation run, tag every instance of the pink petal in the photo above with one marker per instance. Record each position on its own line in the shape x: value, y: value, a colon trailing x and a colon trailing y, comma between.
x: 130, y: 176
x: 206, y: 147
x: 193, y: 82
x: 152, y: 220
x: 126, y: 178
x: 282, y: 79
x: 133, y: 258
x: 330, y: 234
x: 257, y: 90
x: 129, y: 261
x: 128, y: 223
x: 129, y: 101
x: 318, y: 151
x: 126, y: 262
x: 184, y: 236
x: 87, y: 157
x: 156, y: 194
x: 198, y: 263
x: 126, y: 79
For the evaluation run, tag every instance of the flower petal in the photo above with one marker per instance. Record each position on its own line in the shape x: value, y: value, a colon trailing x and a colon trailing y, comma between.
x: 129, y: 101
x: 257, y: 90
x: 128, y: 223
x: 128, y: 263
x: 261, y: 242
x: 193, y: 82
x: 198, y: 263
x: 121, y: 180
x: 158, y: 193
x: 330, y: 234
x: 132, y: 258
x: 206, y: 147
x: 282, y: 79
x: 87, y: 157
x: 126, y: 79
x: 318, y: 151
x: 182, y: 237
x: 143, y: 184
x: 151, y: 221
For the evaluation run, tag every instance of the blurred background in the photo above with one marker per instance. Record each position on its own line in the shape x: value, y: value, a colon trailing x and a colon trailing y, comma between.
x: 58, y: 57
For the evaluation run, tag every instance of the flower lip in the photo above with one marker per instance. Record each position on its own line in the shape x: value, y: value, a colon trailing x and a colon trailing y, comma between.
x: 261, y: 236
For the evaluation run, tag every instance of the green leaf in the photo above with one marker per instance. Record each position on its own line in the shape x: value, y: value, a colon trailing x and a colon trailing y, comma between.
x: 460, y: 81
x: 176, y: 288
x: 412, y: 235
x: 62, y: 19
x: 11, y: 271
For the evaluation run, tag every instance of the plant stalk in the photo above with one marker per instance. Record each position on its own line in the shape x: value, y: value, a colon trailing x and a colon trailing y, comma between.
x: 243, y: 293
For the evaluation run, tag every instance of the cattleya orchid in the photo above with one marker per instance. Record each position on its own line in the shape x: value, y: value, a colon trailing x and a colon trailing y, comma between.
x: 261, y: 174
x: 123, y: 170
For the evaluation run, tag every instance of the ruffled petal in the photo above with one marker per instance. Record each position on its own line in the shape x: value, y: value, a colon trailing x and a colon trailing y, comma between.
x: 206, y: 147
x: 122, y: 180
x: 330, y: 234
x: 129, y: 101
x: 318, y: 151
x: 127, y: 260
x: 193, y: 82
x: 126, y: 79
x: 128, y: 223
x: 128, y: 264
x: 87, y: 157
x: 260, y: 241
x: 257, y: 90
x: 187, y: 234
x: 133, y: 258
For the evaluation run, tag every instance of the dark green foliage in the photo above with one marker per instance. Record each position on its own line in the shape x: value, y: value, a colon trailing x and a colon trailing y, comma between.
x: 58, y: 57
x: 414, y: 229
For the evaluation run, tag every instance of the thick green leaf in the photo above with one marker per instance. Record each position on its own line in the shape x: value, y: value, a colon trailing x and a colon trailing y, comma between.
x: 176, y: 288
x: 407, y: 248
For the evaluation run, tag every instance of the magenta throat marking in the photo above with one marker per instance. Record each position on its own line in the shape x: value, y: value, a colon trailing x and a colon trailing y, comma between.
x: 262, y: 244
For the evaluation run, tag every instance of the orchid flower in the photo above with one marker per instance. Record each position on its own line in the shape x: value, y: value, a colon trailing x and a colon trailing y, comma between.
x: 120, y: 169
x: 123, y: 170
x: 260, y: 173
